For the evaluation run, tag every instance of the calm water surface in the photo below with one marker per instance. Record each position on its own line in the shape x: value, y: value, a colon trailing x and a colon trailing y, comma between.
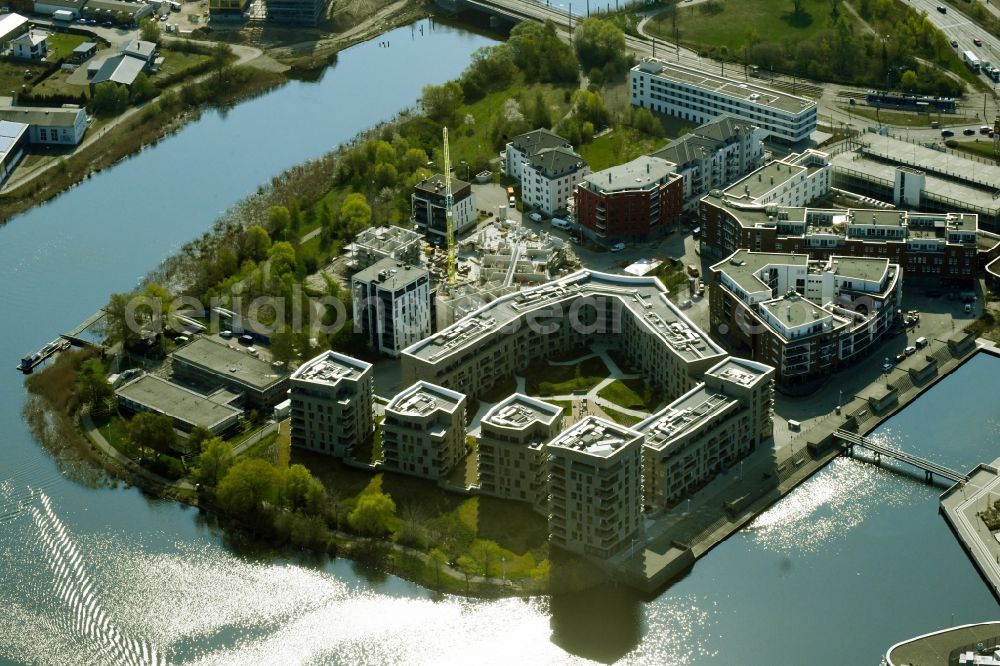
x: 853, y: 561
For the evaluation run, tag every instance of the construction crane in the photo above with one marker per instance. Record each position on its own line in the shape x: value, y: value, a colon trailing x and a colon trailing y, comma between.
x: 448, y: 213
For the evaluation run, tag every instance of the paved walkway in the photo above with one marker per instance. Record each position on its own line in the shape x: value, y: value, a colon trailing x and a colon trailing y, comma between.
x: 124, y: 461
x: 962, y: 505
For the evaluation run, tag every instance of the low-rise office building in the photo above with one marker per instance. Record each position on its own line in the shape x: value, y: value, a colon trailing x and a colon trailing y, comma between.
x: 714, y: 155
x: 595, y: 488
x: 806, y: 318
x: 428, y: 207
x: 699, y: 96
x: 638, y: 200
x: 511, y: 455
x: 622, y: 311
x: 944, y: 245
x: 188, y: 409
x: 56, y: 126
x: 548, y: 168
x: 391, y: 304
x: 424, y: 431
x: 332, y: 409
x: 705, y: 431
x: 212, y: 364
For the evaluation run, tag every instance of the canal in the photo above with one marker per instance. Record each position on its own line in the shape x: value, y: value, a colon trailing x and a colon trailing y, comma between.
x: 850, y: 563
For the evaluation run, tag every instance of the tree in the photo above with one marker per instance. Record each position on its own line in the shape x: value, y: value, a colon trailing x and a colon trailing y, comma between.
x: 109, y: 99
x: 117, y: 325
x: 385, y: 175
x: 278, y: 221
x: 92, y: 386
x: 152, y: 431
x: 908, y: 82
x: 302, y: 491
x: 437, y: 559
x: 214, y: 462
x: 149, y: 30
x: 372, y: 513
x: 245, y: 489
x: 197, y: 438
x: 599, y: 42
x: 797, y: 7
x: 539, y: 114
x: 221, y: 55
x: 142, y: 88
x: 283, y: 346
x: 441, y: 102
x: 355, y: 214
x: 258, y: 243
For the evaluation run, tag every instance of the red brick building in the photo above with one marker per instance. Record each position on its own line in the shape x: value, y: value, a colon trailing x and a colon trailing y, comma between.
x: 633, y: 201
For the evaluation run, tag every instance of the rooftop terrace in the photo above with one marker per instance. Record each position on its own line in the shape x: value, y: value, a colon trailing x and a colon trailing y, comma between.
x: 595, y: 437
x: 424, y: 398
x: 520, y: 411
x: 329, y: 368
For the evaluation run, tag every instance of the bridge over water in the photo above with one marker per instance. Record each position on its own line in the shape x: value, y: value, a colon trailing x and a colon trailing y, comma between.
x: 849, y: 440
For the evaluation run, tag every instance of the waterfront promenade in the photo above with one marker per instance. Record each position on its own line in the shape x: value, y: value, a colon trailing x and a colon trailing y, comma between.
x: 961, y: 505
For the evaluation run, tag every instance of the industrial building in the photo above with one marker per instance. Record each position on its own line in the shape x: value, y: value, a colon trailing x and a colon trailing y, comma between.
x: 916, y: 177
x: 332, y: 409
x: 638, y: 200
x: 807, y: 318
x: 206, y: 362
x: 187, y: 408
x: 56, y: 126
x: 511, y: 453
x: 392, y: 305
x: 424, y: 431
x: 595, y: 488
x: 13, y: 141
x: 11, y: 26
x: 548, y: 168
x: 713, y: 155
x: 502, y: 337
x: 428, y: 208
x: 706, y: 431
x: 377, y: 243
x: 699, y: 96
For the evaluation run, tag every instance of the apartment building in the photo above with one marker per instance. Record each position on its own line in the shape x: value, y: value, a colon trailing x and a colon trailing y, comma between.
x: 511, y: 453
x: 699, y: 96
x: 944, y: 245
x: 428, y: 208
x: 638, y: 200
x: 332, y: 410
x: 713, y: 155
x: 805, y: 317
x: 705, y: 431
x: 595, y: 488
x: 392, y: 305
x: 424, y: 431
x: 377, y: 243
x: 548, y: 168
x: 504, y: 336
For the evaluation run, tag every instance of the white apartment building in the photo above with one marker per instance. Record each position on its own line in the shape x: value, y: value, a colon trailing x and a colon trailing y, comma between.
x: 391, y: 304
x: 792, y: 181
x: 677, y: 90
x: 548, y: 168
x: 595, y: 488
x: 424, y: 431
x: 511, y: 454
x: 714, y: 155
x: 706, y: 430
x: 332, y: 410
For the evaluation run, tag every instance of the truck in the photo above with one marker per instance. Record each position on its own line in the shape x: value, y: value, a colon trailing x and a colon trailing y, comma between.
x: 991, y: 72
x: 971, y: 61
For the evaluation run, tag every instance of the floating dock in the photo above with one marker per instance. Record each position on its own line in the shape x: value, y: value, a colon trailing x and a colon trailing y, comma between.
x: 32, y: 361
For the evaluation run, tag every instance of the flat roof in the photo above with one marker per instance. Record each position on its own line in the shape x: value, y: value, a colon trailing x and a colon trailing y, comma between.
x: 329, y: 368
x: 740, y: 371
x: 390, y: 274
x: 85, y: 47
x: 863, y: 268
x: 924, y: 159
x: 225, y: 361
x: 159, y: 395
x: 795, y: 310
x: 743, y: 90
x: 645, y: 297
x: 743, y: 265
x: 422, y: 398
x: 435, y: 185
x: 519, y: 411
x: 763, y: 180
x: 941, y: 190
x: 686, y: 413
x: 595, y: 437
x: 640, y: 174
x: 10, y: 135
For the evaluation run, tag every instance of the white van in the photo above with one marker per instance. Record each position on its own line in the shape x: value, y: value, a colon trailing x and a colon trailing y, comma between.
x: 794, y: 425
x: 920, y: 343
x: 560, y: 223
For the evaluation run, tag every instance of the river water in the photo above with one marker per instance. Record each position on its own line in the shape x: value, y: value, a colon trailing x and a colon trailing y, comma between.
x: 853, y: 561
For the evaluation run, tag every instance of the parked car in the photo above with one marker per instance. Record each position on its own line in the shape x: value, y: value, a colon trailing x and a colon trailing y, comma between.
x: 107, y: 24
x: 901, y: 356
x: 887, y: 366
x: 942, y: 9
x: 910, y: 351
x: 921, y: 342
x: 225, y: 334
x: 252, y: 351
x: 968, y: 131
x: 618, y: 247
x: 246, y: 339
x: 985, y: 129
x: 536, y: 217
x: 947, y: 133
x: 686, y: 303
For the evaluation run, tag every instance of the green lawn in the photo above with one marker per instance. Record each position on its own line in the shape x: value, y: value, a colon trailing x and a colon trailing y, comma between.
x: 982, y: 147
x: 544, y: 379
x: 621, y: 418
x: 907, y: 118
x: 12, y: 73
x: 177, y: 62
x: 61, y: 44
x: 57, y: 84
x: 728, y: 23
x: 617, y: 147
x: 114, y: 430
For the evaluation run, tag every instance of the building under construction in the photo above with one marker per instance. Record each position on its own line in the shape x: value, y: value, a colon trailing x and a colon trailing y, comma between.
x: 375, y: 244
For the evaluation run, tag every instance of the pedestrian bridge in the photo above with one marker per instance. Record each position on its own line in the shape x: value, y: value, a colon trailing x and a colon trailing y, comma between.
x: 849, y: 440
